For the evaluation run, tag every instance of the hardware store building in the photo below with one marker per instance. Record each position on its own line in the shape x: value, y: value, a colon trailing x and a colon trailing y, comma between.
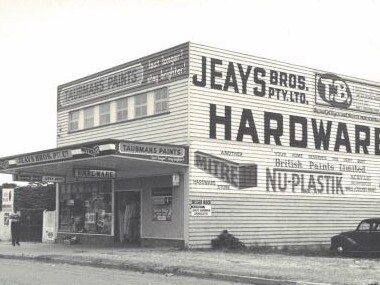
x: 177, y: 146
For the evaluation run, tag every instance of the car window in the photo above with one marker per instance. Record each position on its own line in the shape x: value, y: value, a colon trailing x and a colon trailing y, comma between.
x: 364, y: 226
x: 376, y: 227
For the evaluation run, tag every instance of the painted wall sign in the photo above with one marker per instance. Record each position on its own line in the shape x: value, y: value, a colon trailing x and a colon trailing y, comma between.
x: 165, y: 153
x: 304, y: 181
x: 238, y: 175
x: 234, y: 76
x: 200, y: 207
x: 314, y: 133
x: 156, y: 69
x: 318, y: 174
x: 123, y: 79
x: 94, y: 173
x: 335, y: 91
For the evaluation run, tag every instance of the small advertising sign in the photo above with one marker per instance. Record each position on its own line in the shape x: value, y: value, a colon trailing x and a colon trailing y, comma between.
x: 175, y: 179
x: 94, y: 173
x: 6, y: 219
x: 26, y: 177
x: 53, y: 179
x: 166, y: 153
x: 7, y: 198
x: 200, y: 207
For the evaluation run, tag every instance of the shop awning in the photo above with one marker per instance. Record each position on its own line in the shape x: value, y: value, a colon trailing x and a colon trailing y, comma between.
x: 98, y: 159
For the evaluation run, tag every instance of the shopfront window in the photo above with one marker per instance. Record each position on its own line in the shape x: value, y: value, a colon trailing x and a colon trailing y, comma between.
x: 85, y: 207
x: 162, y: 204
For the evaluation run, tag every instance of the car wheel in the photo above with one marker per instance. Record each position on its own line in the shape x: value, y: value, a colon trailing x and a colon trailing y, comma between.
x: 339, y: 250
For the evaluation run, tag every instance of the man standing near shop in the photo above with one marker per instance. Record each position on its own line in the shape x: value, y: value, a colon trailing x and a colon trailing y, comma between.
x: 14, y: 219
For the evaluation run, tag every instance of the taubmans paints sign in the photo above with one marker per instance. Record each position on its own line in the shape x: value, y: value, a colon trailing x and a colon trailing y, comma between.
x: 153, y: 70
x: 166, y: 153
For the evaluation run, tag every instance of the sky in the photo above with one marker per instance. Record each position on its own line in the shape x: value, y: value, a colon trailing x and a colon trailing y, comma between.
x: 47, y: 43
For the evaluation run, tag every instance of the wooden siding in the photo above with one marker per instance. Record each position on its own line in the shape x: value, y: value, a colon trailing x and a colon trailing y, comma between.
x: 259, y: 215
x: 164, y: 128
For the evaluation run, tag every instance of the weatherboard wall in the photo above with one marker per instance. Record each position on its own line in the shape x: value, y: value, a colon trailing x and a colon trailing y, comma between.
x: 279, y: 210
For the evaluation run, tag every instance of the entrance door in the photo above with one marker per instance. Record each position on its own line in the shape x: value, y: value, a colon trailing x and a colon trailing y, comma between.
x: 31, y: 225
x: 127, y: 217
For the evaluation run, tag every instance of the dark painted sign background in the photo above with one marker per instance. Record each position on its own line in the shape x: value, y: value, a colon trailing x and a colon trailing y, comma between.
x: 157, y: 69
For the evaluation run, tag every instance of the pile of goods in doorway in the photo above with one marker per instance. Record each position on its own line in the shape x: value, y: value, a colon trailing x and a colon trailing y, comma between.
x: 227, y: 241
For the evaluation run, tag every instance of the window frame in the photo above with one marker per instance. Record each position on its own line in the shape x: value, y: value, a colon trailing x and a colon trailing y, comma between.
x: 122, y: 109
x: 360, y: 226
x: 86, y: 119
x: 141, y: 106
x: 161, y: 101
x: 71, y: 121
x: 103, y: 114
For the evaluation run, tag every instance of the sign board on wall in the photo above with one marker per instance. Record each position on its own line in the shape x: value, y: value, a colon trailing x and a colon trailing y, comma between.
x: 200, y: 207
x: 166, y: 153
x: 7, y: 197
x: 175, y: 179
x: 160, y: 68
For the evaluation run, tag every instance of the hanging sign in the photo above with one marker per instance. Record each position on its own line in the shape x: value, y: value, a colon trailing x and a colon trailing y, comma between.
x: 27, y: 177
x: 94, y: 173
x: 53, y: 179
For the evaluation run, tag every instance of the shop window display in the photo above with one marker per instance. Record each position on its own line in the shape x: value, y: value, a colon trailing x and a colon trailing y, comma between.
x: 86, y: 207
x: 162, y: 204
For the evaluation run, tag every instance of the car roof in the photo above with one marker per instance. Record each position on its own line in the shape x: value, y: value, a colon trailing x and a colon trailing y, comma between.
x: 372, y: 220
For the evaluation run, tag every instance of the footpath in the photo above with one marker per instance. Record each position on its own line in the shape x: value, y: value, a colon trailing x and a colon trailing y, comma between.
x: 244, y: 267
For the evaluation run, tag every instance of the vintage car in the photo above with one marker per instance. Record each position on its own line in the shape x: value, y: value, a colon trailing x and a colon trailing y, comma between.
x: 366, y: 238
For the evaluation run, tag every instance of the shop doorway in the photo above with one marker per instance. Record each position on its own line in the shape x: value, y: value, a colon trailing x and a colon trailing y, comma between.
x: 31, y: 225
x: 127, y: 217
